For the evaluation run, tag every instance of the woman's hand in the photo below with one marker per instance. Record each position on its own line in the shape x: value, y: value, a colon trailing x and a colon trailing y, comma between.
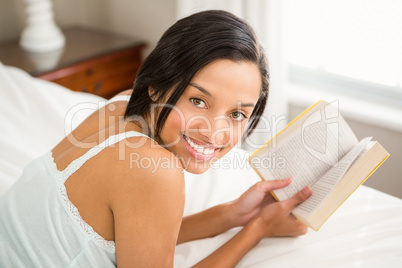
x: 254, y: 204
x: 251, y: 202
x: 276, y: 219
x: 221, y: 218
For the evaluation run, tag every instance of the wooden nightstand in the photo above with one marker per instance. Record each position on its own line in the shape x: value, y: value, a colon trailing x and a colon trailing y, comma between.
x: 92, y: 61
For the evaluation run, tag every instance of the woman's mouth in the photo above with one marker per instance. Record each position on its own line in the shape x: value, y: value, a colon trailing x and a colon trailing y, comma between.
x: 200, y: 151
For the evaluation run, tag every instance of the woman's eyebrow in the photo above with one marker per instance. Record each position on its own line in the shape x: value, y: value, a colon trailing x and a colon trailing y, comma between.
x: 247, y: 104
x: 200, y: 88
x: 206, y: 92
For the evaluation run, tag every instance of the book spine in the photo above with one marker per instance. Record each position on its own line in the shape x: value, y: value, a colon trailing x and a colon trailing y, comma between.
x: 318, y: 226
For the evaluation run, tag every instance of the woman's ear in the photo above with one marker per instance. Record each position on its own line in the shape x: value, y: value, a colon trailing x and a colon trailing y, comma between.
x: 152, y: 94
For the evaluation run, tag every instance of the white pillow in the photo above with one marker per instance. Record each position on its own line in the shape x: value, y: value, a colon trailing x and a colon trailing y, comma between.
x: 32, y: 117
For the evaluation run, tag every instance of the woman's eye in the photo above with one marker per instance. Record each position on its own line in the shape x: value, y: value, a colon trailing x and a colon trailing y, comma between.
x: 198, y: 103
x: 238, y: 116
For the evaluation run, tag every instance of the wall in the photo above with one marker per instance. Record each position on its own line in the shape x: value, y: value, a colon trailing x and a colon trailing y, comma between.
x: 146, y: 20
x: 11, y: 19
x: 143, y: 19
x: 388, y: 177
x: 12, y: 16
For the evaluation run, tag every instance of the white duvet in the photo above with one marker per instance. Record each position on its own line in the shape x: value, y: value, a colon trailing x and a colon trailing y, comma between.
x: 365, y: 232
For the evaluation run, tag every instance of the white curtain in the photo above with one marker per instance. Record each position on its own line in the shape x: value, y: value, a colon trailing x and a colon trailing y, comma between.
x: 265, y: 17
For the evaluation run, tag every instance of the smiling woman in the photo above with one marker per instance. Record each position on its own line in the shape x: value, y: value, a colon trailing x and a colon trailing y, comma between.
x: 121, y: 200
x: 180, y: 54
x: 211, y: 120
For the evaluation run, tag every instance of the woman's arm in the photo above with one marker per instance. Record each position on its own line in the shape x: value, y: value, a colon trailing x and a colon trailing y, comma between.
x: 147, y: 206
x: 221, y: 218
x: 207, y: 223
x: 274, y: 219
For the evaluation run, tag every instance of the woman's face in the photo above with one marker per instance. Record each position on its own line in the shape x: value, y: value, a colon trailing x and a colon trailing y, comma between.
x: 211, y: 115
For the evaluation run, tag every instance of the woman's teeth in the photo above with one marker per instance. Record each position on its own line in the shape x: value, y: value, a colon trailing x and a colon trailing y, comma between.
x: 198, y: 148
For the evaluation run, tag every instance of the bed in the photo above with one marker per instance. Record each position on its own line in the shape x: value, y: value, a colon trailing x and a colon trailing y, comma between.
x: 365, y: 232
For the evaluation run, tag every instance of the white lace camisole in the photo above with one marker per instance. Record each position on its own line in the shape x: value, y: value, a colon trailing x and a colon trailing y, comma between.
x: 40, y: 227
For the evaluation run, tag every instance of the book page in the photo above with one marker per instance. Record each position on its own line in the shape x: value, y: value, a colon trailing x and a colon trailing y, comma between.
x: 323, y: 187
x: 307, y: 154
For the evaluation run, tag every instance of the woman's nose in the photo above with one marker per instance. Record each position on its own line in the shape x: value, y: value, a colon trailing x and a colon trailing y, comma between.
x: 216, y: 130
x: 222, y: 128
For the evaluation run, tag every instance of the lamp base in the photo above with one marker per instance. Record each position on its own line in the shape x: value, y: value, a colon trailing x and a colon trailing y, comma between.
x: 42, y: 39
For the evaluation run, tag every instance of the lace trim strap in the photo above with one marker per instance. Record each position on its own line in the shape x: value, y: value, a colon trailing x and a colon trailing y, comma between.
x: 77, y: 163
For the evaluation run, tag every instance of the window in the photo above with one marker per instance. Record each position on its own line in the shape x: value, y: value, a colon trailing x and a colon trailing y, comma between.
x: 354, y: 46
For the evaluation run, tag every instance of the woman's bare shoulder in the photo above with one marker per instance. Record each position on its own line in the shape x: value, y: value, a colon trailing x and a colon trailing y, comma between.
x: 97, y: 124
x: 137, y: 168
x: 144, y: 159
x: 125, y: 92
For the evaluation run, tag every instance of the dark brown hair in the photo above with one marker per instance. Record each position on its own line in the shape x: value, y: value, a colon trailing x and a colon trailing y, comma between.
x: 186, y: 47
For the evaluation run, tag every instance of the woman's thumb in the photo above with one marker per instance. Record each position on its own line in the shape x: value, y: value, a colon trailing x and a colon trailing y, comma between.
x: 300, y: 197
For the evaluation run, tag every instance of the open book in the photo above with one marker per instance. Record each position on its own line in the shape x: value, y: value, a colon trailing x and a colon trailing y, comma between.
x: 318, y: 149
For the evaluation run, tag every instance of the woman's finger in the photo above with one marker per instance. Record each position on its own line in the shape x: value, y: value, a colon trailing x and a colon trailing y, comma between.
x: 299, y: 197
x: 268, y: 186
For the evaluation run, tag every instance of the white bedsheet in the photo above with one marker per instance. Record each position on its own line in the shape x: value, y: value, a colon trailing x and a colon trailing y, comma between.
x: 365, y: 232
